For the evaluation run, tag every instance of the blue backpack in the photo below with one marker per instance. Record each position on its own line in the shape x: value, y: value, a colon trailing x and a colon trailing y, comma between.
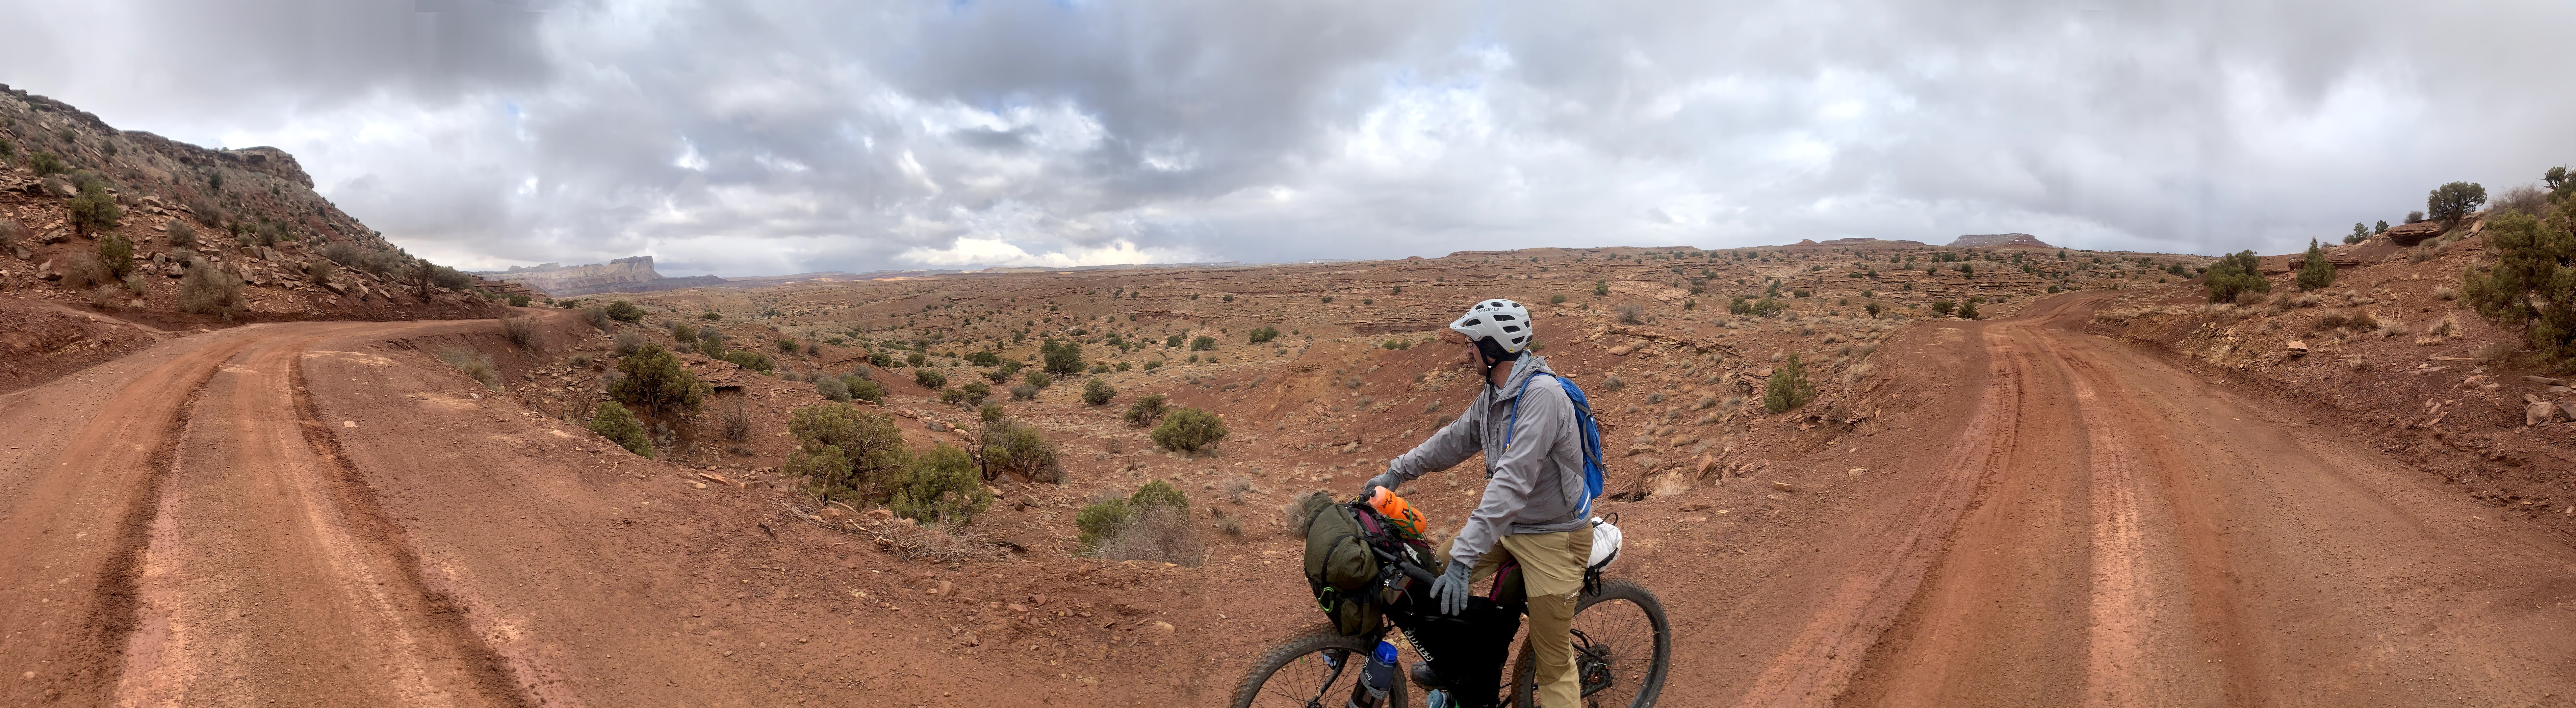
x: 1592, y: 472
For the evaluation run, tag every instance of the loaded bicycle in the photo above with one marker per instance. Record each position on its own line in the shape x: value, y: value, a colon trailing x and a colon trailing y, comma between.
x: 1622, y: 642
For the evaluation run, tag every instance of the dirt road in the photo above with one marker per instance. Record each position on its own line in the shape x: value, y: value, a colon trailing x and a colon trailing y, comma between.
x: 2115, y: 531
x: 315, y: 514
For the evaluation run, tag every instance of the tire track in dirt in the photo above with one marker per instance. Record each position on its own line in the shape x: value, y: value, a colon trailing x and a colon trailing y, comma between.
x: 1828, y: 649
x: 510, y: 678
x: 270, y: 580
x: 103, y: 483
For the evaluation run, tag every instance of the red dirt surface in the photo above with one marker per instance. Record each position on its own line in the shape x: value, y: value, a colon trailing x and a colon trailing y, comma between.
x: 2004, y: 512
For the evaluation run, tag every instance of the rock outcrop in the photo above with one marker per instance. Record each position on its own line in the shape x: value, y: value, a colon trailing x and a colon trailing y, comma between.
x: 623, y: 275
x: 1997, y: 241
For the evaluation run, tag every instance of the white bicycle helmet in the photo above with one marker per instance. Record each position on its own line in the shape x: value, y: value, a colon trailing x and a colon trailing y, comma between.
x: 1503, y: 320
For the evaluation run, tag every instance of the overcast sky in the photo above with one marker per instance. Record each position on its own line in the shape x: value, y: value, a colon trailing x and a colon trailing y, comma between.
x: 742, y: 137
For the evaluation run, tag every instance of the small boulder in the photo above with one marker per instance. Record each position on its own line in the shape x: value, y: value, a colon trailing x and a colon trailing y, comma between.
x: 1783, y: 486
x: 53, y: 237
x: 1621, y: 350
x: 2298, y: 348
x: 2539, y: 413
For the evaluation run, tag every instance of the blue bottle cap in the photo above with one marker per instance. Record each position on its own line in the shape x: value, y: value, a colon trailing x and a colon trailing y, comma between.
x: 1385, y: 653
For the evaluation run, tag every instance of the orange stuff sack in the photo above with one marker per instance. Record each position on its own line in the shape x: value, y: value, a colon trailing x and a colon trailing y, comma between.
x: 1397, y: 512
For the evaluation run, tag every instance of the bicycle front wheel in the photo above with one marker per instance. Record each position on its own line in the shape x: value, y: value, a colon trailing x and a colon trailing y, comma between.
x: 1622, y: 645
x: 1316, y: 669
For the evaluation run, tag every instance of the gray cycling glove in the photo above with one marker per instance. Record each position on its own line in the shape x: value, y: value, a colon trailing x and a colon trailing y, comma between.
x: 1387, y: 480
x: 1451, y: 588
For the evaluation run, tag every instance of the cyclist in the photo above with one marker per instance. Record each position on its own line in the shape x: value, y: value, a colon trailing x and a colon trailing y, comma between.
x: 1534, y: 500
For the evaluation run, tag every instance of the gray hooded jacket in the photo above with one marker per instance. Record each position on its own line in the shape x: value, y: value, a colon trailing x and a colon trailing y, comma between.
x: 1534, y: 486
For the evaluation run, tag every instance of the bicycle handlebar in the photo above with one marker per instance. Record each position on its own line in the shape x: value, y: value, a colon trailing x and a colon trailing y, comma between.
x: 1407, y: 567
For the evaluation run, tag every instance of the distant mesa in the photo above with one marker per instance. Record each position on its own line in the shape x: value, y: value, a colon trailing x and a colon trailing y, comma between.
x: 623, y: 275
x: 1868, y: 242
x: 1998, y: 241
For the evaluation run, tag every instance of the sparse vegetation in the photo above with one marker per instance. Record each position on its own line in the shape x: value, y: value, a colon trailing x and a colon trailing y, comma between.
x: 1020, y: 451
x: 655, y: 381
x: 929, y: 379
x: 209, y: 290
x: 1189, y: 429
x: 1153, y: 525
x: 624, y: 311
x: 1097, y: 392
x: 614, y: 422
x: 2530, y: 286
x: 1144, y: 411
x: 2236, y: 275
x: 2314, y: 271
x: 475, y: 365
x: 1789, y: 387
x: 521, y: 331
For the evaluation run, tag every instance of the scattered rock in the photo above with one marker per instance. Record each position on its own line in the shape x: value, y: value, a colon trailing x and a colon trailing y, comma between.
x: 2298, y: 348
x: 1857, y: 471
x: 2538, y: 413
x: 1621, y: 350
x: 942, y: 589
x: 2544, y: 380
x: 1783, y: 486
x: 881, y: 514
x: 53, y: 237
x: 1164, y: 628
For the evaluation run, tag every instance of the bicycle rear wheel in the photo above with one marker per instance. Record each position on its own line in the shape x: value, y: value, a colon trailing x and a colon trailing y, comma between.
x: 1622, y: 644
x: 1298, y: 674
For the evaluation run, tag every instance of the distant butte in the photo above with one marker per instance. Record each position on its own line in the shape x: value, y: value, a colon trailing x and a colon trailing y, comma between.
x: 1999, y: 240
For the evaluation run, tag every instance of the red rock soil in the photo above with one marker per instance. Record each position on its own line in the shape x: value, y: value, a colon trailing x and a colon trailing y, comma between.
x: 1998, y: 512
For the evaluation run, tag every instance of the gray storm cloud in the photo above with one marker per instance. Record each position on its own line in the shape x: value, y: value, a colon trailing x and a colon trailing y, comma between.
x: 768, y: 137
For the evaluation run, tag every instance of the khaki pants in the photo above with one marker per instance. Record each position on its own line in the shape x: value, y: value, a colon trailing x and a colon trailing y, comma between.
x: 1552, y: 570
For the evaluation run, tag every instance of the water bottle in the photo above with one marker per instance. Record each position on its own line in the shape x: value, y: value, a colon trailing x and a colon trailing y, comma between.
x: 1437, y: 699
x: 1376, y: 679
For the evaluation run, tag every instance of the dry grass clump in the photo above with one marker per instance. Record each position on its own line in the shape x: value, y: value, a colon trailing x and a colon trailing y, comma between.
x: 2357, y: 363
x: 627, y: 343
x: 937, y: 543
x: 2393, y: 328
x: 522, y: 331
x: 734, y: 421
x: 2446, y: 292
x: 474, y: 364
x: 2341, y: 318
x: 1632, y: 314
x: 1156, y: 533
x: 2490, y: 353
x: 2449, y: 326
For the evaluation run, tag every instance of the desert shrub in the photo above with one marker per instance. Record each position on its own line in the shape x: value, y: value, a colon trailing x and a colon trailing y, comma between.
x: 1632, y: 314
x: 1038, y: 379
x: 1003, y: 370
x: 1263, y: 335
x: 929, y: 379
x: 521, y: 331
x: 1097, y: 392
x: 1943, y: 307
x: 598, y: 318
x: 1098, y: 521
x: 2235, y: 275
x: 2446, y: 292
x: 682, y: 331
x: 2528, y: 286
x: 82, y: 271
x: 1024, y: 392
x: 2340, y: 318
x: 846, y: 451
x: 518, y: 299
x: 208, y: 290
x: 474, y: 364
x: 939, y: 484
x: 1144, y: 411
x: 626, y: 343
x: 624, y: 311
x: 1152, y: 365
x: 614, y: 422
x: 863, y: 389
x: 1968, y: 310
x: 733, y: 419
x: 1021, y: 451
x: 2314, y: 271
x: 2451, y: 202
x: 1612, y: 383
x: 1061, y: 358
x: 1202, y: 343
x: 752, y: 360
x: 655, y: 381
x: 2393, y: 328
x: 832, y: 388
x: 1789, y: 387
x: 117, y: 254
x: 2524, y: 199
x: 787, y: 346
x: 974, y: 392
x: 93, y: 209
x: 916, y: 359
x: 47, y: 163
x: 1189, y: 429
